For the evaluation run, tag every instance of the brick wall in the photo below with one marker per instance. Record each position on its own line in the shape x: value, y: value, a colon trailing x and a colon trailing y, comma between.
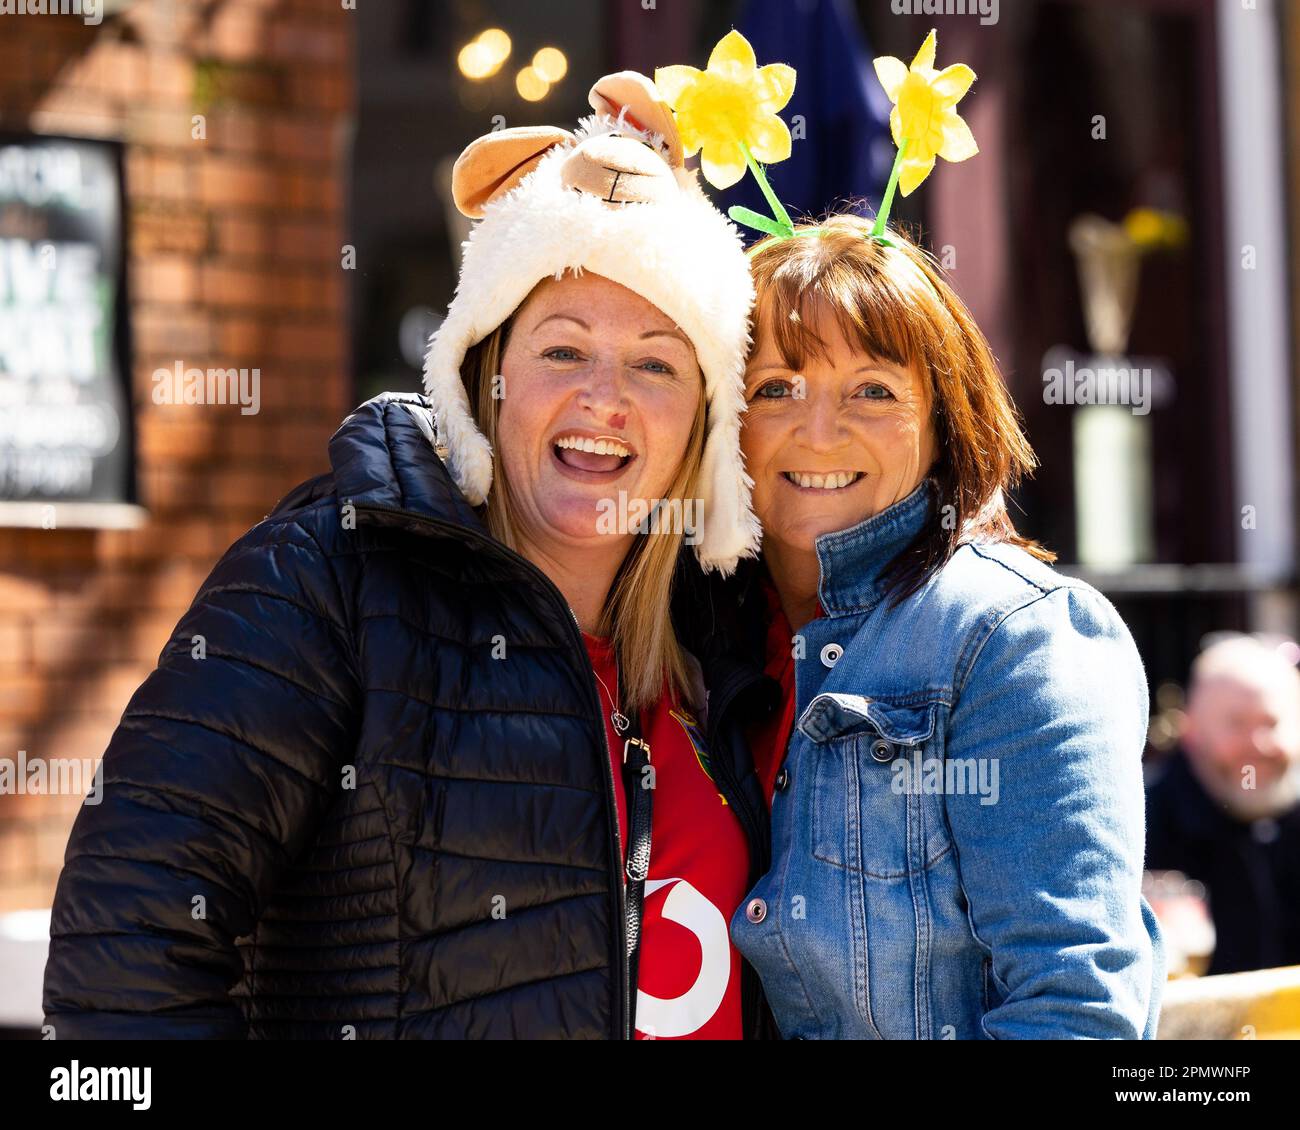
x: 233, y: 259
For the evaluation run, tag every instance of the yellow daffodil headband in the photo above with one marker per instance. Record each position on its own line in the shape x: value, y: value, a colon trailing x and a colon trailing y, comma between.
x: 729, y: 114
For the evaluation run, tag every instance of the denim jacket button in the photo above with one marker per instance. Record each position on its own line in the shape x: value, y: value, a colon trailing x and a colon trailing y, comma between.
x: 783, y: 780
x: 831, y: 654
x: 882, y: 750
x: 756, y: 911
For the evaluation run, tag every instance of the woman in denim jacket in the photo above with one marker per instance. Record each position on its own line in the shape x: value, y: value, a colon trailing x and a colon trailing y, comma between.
x: 957, y: 819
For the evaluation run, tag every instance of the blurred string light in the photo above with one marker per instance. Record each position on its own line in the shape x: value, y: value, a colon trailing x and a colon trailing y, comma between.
x: 484, y: 55
x: 534, y: 82
x: 487, y: 52
x: 531, y: 86
x: 551, y: 64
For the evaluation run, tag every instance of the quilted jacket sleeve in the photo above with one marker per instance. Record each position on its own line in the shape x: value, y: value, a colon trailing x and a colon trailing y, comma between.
x: 216, y: 778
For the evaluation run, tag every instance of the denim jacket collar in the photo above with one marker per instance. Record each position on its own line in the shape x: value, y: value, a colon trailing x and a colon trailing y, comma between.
x: 853, y: 560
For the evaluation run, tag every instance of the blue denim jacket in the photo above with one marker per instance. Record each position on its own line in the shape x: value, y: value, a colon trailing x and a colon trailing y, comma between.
x: 958, y: 837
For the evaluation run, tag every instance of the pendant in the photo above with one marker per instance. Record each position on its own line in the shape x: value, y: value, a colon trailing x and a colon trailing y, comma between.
x: 621, y: 722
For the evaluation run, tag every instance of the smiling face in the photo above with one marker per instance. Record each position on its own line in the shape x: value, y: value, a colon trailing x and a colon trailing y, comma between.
x: 1241, y: 729
x: 601, y: 395
x: 834, y: 443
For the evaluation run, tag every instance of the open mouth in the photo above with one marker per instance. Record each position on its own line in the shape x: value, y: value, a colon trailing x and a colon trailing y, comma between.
x: 593, y: 455
x: 836, y: 480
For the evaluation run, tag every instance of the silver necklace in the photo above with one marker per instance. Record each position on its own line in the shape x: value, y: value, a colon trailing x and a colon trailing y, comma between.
x: 620, y: 720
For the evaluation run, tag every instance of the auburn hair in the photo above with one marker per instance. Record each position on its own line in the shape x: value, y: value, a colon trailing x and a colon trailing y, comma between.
x: 895, y: 305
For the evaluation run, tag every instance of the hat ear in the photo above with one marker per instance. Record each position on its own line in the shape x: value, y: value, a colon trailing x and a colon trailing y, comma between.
x: 496, y: 162
x: 645, y: 106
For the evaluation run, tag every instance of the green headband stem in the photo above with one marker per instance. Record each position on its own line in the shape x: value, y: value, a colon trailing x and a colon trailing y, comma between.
x: 781, y: 226
x: 886, y: 205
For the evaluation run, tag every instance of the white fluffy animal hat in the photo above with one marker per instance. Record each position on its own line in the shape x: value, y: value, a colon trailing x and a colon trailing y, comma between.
x: 613, y: 198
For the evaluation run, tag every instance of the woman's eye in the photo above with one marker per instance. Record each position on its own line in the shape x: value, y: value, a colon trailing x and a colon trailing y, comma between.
x: 659, y: 367
x: 561, y: 353
x: 874, y: 392
x: 773, y: 390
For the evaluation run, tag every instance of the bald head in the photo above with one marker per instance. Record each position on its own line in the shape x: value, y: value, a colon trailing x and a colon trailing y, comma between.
x: 1242, y: 726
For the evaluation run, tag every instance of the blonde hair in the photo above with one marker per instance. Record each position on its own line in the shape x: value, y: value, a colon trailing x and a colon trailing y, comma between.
x: 636, y: 613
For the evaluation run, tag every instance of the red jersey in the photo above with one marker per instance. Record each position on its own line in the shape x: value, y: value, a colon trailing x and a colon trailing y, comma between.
x: 689, y: 972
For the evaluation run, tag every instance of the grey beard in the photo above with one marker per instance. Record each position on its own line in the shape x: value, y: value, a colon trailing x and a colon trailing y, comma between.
x: 1255, y: 804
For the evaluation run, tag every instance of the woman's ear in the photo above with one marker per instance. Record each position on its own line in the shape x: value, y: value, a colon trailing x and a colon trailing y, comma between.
x: 496, y: 162
x: 645, y: 106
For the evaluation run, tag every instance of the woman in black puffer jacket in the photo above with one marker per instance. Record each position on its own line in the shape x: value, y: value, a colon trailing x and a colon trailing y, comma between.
x: 368, y: 792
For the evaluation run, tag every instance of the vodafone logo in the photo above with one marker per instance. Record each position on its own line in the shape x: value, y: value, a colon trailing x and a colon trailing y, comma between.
x: 687, y: 1013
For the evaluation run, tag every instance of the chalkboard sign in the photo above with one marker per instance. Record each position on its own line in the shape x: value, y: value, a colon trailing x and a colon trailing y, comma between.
x: 65, y: 406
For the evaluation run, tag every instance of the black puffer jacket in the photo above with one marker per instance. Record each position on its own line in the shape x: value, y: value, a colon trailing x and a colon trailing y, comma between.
x: 330, y: 812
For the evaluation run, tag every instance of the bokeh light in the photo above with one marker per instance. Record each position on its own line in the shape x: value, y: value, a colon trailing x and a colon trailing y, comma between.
x: 532, y: 87
x: 551, y: 64
x: 483, y: 56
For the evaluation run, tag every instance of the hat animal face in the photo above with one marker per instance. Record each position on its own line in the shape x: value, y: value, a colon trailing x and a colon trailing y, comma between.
x: 632, y: 157
x: 613, y: 198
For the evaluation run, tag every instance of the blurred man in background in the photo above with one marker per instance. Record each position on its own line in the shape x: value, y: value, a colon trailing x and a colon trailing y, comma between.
x: 1226, y: 810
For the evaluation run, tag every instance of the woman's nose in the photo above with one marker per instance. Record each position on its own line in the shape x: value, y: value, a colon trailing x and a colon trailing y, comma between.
x: 821, y: 427
x: 605, y: 394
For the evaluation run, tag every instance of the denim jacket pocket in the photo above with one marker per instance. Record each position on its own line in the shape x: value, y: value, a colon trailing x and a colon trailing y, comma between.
x: 869, y: 813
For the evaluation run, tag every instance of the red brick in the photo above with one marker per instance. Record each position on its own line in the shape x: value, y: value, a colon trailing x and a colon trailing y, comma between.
x: 168, y: 279
x: 23, y: 695
x: 106, y: 690
x: 319, y: 341
x: 123, y: 67
x: 236, y: 180
x: 238, y: 487
x: 186, y: 439
x: 162, y: 228
x: 15, y: 641
x: 305, y: 137
x: 176, y: 332
x: 226, y: 285
x: 244, y: 336
x: 314, y: 42
x: 68, y: 645
x: 165, y: 127
x: 29, y: 594
x: 169, y: 77
x: 246, y: 237
x: 167, y: 489
x: 254, y: 441
x: 17, y: 842
x: 237, y: 33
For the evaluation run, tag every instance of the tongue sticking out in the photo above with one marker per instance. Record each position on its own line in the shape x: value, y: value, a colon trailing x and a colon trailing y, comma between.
x: 587, y: 461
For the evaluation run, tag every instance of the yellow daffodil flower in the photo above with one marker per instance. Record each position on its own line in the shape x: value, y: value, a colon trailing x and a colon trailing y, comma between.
x: 731, y: 105
x: 1151, y: 229
x: 925, y: 114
